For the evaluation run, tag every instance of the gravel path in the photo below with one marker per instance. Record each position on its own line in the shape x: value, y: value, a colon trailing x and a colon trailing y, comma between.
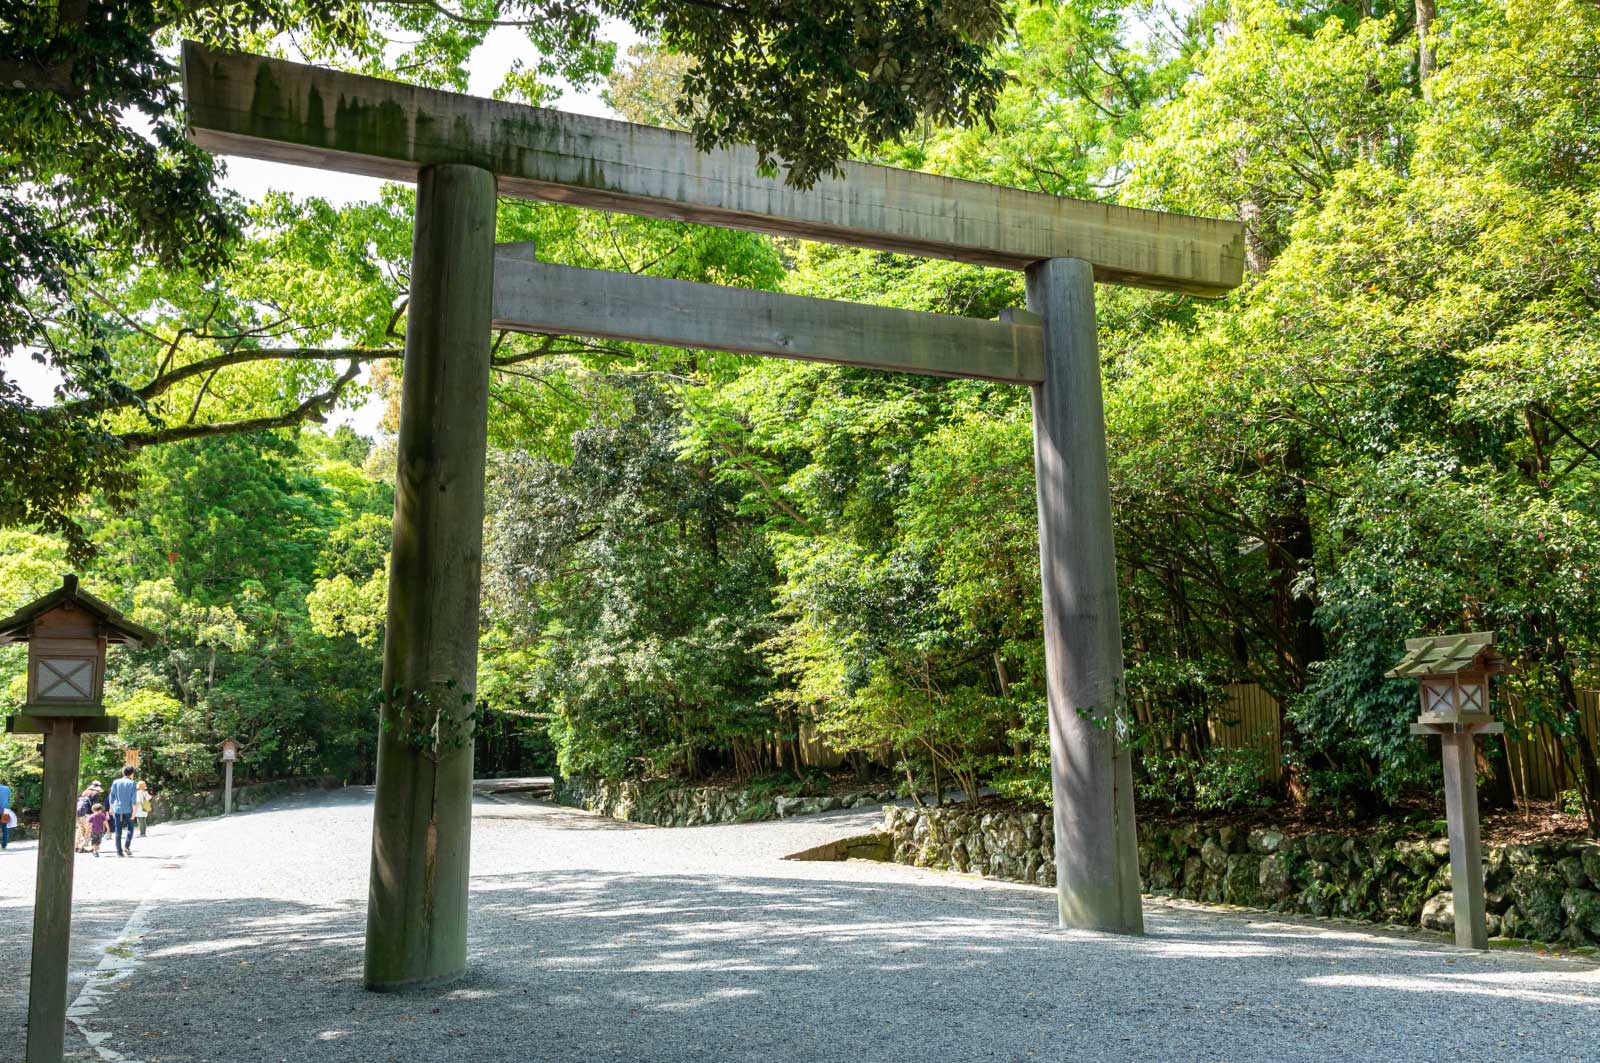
x: 593, y: 939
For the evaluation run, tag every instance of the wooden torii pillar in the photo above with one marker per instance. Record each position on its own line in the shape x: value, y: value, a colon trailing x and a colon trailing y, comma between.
x: 461, y: 151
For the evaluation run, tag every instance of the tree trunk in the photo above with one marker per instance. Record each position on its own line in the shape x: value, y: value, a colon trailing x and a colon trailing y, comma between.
x: 1426, y: 58
x: 1291, y: 555
x: 1495, y: 790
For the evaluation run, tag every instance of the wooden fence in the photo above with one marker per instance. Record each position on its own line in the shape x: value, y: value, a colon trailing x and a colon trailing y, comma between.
x: 1249, y: 720
x: 1536, y: 766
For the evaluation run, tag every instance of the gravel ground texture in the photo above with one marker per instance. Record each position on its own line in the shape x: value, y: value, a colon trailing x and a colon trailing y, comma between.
x: 240, y: 940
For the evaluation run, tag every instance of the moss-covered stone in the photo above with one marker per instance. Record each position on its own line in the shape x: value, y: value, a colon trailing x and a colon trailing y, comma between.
x: 1159, y: 877
x: 1241, y: 882
x: 1277, y: 876
x: 1571, y: 867
x: 1496, y: 869
x: 1589, y: 856
x: 1417, y: 856
x: 1581, y: 908
x: 1439, y: 913
x: 1384, y: 876
x: 1512, y: 924
x: 1537, y: 892
x: 1265, y: 841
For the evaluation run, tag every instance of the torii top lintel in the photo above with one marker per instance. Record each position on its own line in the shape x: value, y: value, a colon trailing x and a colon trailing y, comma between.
x: 287, y: 112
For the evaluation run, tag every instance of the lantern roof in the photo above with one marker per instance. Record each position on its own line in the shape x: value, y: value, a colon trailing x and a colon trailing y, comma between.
x: 18, y: 626
x: 1448, y: 655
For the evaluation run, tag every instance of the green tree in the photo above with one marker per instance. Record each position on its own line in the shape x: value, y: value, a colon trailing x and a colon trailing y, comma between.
x: 634, y: 595
x: 100, y: 178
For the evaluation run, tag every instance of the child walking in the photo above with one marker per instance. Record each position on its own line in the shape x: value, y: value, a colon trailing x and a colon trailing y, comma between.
x: 99, y: 823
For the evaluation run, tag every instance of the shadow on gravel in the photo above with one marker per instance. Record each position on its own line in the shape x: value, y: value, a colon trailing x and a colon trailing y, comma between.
x: 93, y: 919
x: 587, y: 965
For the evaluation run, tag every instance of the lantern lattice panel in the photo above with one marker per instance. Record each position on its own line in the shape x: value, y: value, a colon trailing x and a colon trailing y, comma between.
x: 1437, y: 698
x: 65, y: 679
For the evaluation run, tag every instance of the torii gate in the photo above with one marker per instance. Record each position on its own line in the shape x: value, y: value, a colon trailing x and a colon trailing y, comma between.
x: 462, y: 152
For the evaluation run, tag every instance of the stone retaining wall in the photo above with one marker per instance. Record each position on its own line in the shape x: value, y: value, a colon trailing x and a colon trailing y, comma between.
x: 664, y: 804
x: 1544, y: 892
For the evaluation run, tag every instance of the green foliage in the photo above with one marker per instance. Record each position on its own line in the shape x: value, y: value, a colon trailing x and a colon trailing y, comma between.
x: 949, y: 734
x: 219, y: 556
x: 1273, y: 114
x: 634, y: 594
x: 1219, y: 780
x: 806, y: 82
x: 101, y: 180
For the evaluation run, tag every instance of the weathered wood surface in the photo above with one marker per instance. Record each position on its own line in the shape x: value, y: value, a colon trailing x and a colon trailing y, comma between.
x: 28, y: 723
x: 1466, y: 840
x: 541, y: 297
x: 1091, y: 769
x: 422, y: 816
x: 287, y: 112
x: 52, y: 897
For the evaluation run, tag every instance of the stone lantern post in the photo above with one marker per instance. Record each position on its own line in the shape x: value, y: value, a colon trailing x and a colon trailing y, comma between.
x: 67, y: 632
x: 1452, y: 674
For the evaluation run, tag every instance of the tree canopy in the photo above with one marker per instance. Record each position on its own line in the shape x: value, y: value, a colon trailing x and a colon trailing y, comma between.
x: 100, y: 180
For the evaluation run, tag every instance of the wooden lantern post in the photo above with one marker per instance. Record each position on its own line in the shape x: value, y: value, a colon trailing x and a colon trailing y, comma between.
x: 230, y: 754
x: 1452, y: 673
x: 67, y: 632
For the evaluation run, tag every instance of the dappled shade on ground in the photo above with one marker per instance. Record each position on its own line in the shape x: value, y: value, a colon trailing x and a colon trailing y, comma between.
x: 593, y: 939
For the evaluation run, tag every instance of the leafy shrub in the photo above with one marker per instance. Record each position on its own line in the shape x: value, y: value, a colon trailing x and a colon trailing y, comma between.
x: 1219, y: 780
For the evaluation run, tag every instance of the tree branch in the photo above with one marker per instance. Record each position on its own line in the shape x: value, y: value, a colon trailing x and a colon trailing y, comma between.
x: 312, y: 409
x: 163, y: 382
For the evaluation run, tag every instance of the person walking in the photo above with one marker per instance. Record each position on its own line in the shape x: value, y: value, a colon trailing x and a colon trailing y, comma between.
x: 5, y: 816
x: 142, y: 803
x: 86, y: 800
x: 124, y: 794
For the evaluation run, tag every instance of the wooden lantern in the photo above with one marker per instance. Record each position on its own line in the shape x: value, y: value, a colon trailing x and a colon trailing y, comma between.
x: 67, y: 632
x: 230, y: 750
x: 1452, y: 674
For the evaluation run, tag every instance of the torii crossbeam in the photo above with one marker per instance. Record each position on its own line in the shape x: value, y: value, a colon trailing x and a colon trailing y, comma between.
x: 462, y: 151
